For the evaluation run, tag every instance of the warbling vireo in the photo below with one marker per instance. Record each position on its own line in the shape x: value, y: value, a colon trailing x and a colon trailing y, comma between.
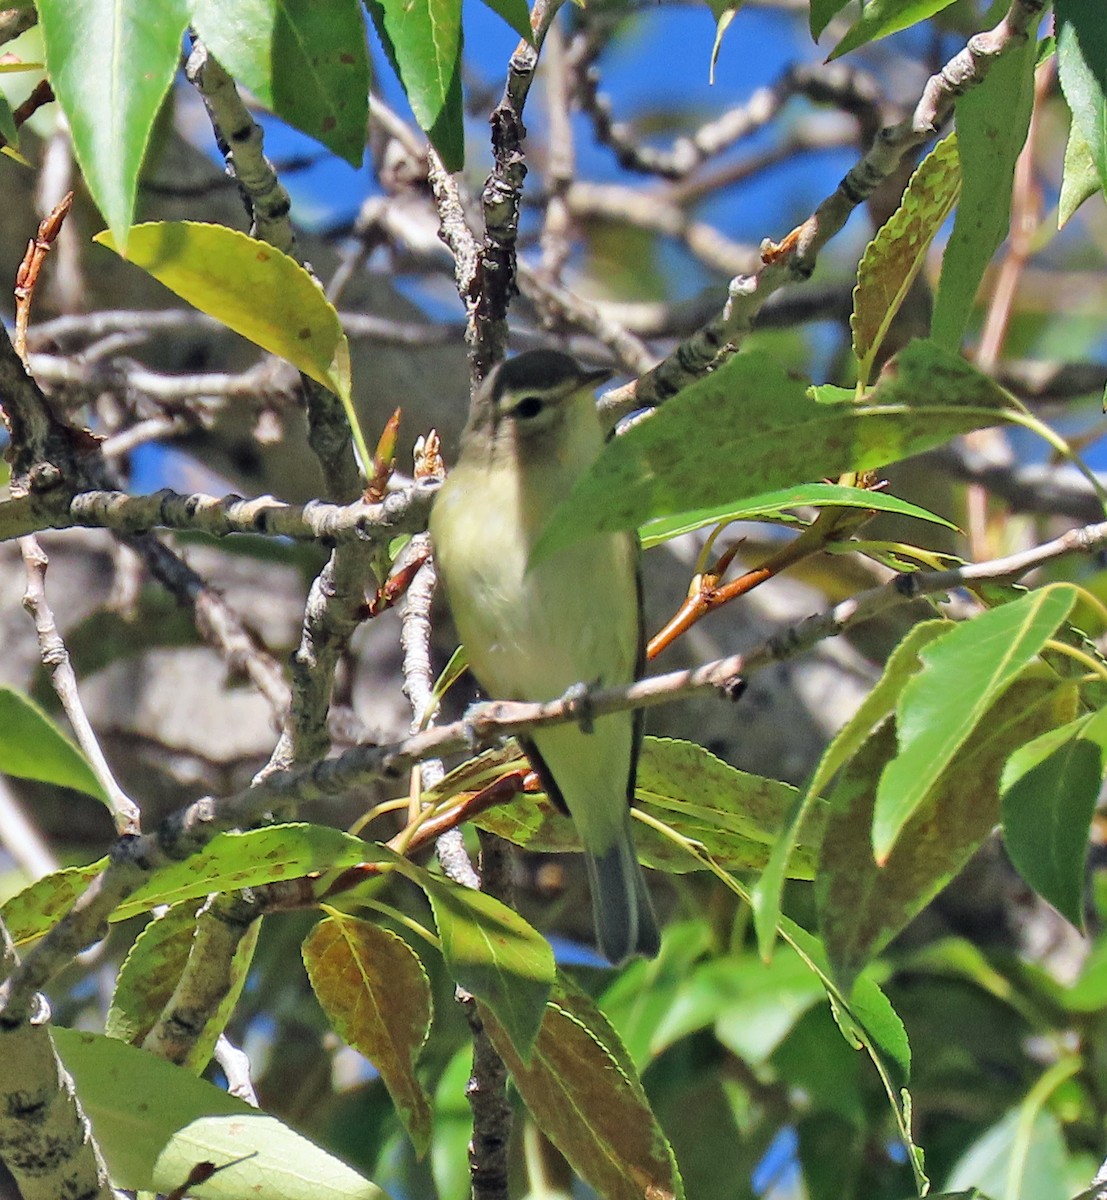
x: 575, y: 617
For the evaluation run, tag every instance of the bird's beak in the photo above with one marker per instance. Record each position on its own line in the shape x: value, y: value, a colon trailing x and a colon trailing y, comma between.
x: 593, y: 379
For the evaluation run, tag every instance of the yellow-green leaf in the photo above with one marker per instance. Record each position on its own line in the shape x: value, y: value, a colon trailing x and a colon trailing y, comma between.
x: 254, y: 289
x: 376, y: 994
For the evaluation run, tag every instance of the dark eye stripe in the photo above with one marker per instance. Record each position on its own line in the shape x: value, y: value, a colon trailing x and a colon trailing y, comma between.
x: 528, y: 407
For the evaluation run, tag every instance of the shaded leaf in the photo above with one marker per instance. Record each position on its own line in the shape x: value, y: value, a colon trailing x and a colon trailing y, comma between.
x: 863, y: 1013
x: 992, y: 121
x: 110, y: 64
x: 861, y: 905
x: 580, y: 1088
x: 423, y: 42
x: 987, y: 1163
x: 879, y: 18
x: 822, y: 13
x: 749, y: 428
x: 1082, y: 70
x: 491, y: 952
x: 232, y: 861
x: 1049, y: 791
x: 644, y: 990
x: 307, y: 62
x: 735, y: 815
x: 172, y: 1121
x: 893, y: 258
x: 773, y: 504
x: 150, y: 973
x: 33, y: 747
x: 376, y: 994
x: 963, y: 675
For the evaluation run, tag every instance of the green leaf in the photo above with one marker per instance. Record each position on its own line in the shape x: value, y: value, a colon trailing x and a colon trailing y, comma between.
x: 880, y: 18
x: 150, y: 973
x: 152, y: 970
x: 1049, y: 791
x: 223, y: 272
x: 376, y: 994
x: 724, y: 12
x: 1040, y: 1150
x: 171, y: 1121
x: 581, y: 1089
x: 645, y: 990
x: 423, y: 42
x: 963, y: 675
x: 305, y: 61
x: 893, y: 258
x: 8, y: 131
x: 1082, y: 69
x: 1080, y: 179
x: 516, y: 14
x: 772, y: 504
x: 38, y: 908
x: 110, y: 64
x: 232, y: 861
x: 33, y: 747
x: 749, y: 427
x: 733, y: 814
x: 862, y: 906
x: 752, y: 1005
x: 992, y: 122
x: 863, y: 1013
x: 877, y: 705
x: 822, y: 13
x: 491, y: 952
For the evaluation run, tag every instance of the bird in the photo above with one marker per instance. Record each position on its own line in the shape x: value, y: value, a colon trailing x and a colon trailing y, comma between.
x: 532, y: 633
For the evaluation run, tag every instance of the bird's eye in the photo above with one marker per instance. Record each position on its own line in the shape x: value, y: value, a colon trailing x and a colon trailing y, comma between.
x: 529, y: 407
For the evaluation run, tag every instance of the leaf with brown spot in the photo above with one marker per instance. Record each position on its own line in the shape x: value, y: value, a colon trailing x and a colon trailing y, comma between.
x: 581, y: 1088
x: 894, y: 257
x: 376, y: 994
x: 863, y: 906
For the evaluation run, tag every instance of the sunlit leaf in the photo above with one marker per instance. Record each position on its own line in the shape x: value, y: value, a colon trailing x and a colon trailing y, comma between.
x: 862, y: 905
x: 875, y: 708
x: 41, y: 905
x: 749, y: 428
x: 515, y: 13
x: 250, y: 287
x: 879, y: 18
x: 423, y: 42
x: 232, y: 861
x: 964, y: 674
x: 491, y: 952
x: 110, y: 64
x: 1082, y: 70
x: 307, y: 62
x: 1080, y: 179
x: 171, y: 1121
x: 773, y: 504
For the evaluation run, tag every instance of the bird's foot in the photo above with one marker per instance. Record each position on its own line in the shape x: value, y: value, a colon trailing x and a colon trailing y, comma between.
x: 578, y: 701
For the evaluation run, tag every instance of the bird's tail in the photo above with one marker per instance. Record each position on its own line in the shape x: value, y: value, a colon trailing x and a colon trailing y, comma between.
x: 623, y: 912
